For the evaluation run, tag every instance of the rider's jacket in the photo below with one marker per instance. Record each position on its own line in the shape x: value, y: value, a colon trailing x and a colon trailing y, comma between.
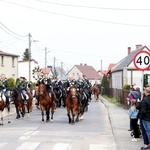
x: 47, y: 82
x: 80, y: 84
x: 4, y: 84
x: 22, y: 85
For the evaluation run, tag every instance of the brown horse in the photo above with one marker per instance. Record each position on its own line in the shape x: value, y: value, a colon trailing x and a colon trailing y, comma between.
x: 2, y: 107
x: 72, y: 105
x: 16, y: 97
x: 96, y: 92
x: 47, y: 103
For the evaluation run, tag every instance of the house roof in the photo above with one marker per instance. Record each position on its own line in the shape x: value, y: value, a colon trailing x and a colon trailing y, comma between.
x: 127, y: 60
x: 89, y: 71
x: 8, y: 54
x: 21, y: 61
x: 111, y: 65
x: 46, y: 70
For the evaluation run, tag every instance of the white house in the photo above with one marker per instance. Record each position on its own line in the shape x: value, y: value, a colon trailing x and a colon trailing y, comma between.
x: 23, y: 69
x: 125, y: 72
x: 9, y: 64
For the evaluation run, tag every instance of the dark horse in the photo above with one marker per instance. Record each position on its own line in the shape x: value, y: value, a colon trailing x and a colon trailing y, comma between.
x: 72, y: 105
x: 18, y: 101
x: 28, y: 106
x: 46, y: 103
x: 2, y: 107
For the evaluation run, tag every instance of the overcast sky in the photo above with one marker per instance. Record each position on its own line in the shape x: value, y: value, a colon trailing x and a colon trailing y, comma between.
x: 74, y: 31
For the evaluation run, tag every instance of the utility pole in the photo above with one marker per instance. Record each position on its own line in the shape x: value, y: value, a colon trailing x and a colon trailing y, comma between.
x: 61, y: 69
x: 54, y: 68
x: 29, y: 57
x: 45, y: 59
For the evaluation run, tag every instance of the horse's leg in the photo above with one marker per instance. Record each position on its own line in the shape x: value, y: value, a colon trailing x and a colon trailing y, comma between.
x: 73, y: 116
x: 8, y: 109
x: 42, y: 113
x: 47, y: 114
x: 52, y: 111
x: 1, y: 117
x: 78, y: 114
x: 17, y: 112
x: 68, y: 114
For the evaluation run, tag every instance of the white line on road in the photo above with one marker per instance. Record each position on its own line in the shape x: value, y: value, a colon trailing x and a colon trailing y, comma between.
x: 24, y: 137
x: 97, y: 147
x: 28, y: 146
x: 62, y: 146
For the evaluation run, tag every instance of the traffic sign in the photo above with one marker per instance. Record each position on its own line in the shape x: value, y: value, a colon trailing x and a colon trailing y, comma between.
x: 142, y: 60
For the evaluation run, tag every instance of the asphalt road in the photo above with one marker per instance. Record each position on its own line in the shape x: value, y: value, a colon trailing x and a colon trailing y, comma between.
x: 94, y: 132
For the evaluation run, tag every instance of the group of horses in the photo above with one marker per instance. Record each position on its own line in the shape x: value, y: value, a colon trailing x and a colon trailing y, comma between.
x: 49, y: 102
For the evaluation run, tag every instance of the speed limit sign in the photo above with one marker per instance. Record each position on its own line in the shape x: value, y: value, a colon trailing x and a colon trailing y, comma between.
x: 142, y: 60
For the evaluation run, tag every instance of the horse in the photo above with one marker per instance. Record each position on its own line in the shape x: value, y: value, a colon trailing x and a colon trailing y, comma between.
x: 96, y: 93
x: 47, y: 103
x: 37, y: 96
x: 16, y: 97
x: 28, y: 106
x: 2, y: 107
x: 72, y: 105
x: 57, y: 90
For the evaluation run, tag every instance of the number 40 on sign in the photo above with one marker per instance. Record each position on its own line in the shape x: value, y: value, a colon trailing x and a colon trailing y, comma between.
x: 142, y: 60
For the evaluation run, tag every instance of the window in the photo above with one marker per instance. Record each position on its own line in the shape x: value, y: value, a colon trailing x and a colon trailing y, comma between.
x: 13, y: 61
x: 73, y: 74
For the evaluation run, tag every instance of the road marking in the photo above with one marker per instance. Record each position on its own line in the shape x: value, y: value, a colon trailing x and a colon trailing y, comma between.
x: 24, y: 137
x: 62, y: 146
x: 35, y: 132
x: 97, y: 147
x: 29, y: 132
x: 28, y: 146
x: 2, y: 144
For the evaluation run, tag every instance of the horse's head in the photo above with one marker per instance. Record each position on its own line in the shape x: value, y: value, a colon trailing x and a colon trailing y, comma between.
x: 42, y: 89
x: 73, y: 92
x: 14, y: 94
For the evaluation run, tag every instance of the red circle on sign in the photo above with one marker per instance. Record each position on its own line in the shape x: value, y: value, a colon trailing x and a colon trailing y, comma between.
x: 148, y: 66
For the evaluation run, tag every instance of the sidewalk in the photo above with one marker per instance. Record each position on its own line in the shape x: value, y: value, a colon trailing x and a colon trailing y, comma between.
x: 120, y: 124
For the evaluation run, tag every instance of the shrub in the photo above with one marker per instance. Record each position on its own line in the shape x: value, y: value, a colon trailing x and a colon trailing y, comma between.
x: 126, y: 87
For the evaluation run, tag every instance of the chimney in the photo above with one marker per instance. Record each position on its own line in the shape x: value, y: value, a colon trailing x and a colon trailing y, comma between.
x: 85, y: 64
x: 81, y: 64
x: 138, y: 45
x: 129, y: 50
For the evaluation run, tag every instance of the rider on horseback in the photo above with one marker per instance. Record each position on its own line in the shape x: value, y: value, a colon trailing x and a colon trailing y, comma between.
x: 21, y: 84
x: 48, y: 82
x: 4, y: 85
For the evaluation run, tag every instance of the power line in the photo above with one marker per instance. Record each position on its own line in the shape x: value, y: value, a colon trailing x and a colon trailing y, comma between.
x: 11, y: 31
x: 92, y: 7
x: 11, y: 34
x: 75, y: 17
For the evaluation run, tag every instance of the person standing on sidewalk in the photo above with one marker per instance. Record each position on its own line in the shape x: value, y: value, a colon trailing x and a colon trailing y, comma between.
x: 133, y: 115
x: 144, y: 135
x: 145, y: 112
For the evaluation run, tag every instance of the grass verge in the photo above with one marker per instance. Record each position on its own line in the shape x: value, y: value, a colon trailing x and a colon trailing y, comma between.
x: 112, y: 100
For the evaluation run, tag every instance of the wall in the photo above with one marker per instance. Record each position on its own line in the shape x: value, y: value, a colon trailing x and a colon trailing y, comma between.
x: 23, y: 68
x: 117, y: 80
x: 8, y: 68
